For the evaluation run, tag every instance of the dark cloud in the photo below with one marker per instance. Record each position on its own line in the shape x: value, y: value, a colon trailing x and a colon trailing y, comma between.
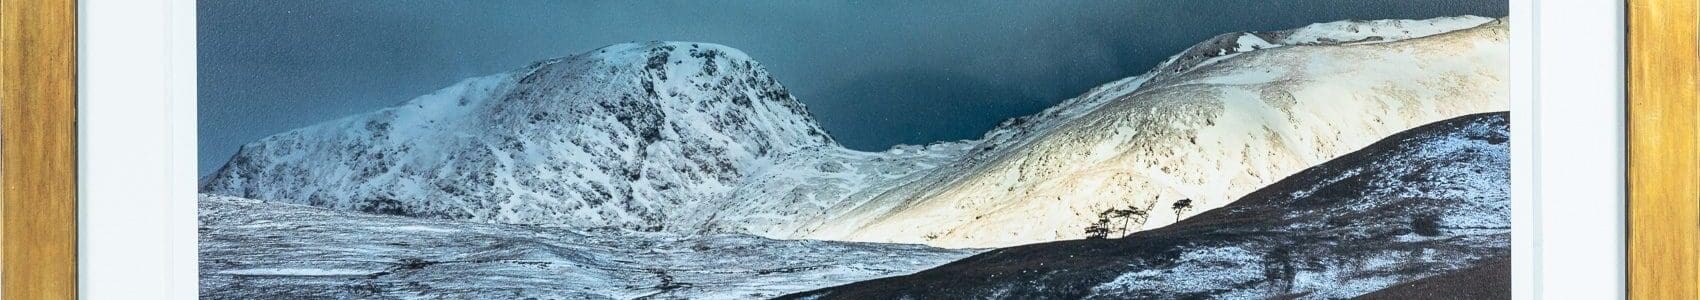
x: 876, y: 73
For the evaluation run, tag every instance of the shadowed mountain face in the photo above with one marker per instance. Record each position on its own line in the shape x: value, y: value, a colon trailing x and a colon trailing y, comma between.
x: 619, y: 136
x: 1424, y: 202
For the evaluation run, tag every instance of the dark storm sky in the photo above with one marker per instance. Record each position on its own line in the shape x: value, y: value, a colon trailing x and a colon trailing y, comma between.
x: 875, y: 73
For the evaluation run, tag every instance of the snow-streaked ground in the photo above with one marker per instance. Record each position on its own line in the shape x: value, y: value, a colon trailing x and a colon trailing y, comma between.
x: 256, y: 250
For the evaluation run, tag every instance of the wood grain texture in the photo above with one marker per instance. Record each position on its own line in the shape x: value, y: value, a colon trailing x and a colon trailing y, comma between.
x: 38, y: 211
x: 1664, y: 167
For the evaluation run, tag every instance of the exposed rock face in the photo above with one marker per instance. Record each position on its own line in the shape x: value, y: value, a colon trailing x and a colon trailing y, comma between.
x: 1425, y: 202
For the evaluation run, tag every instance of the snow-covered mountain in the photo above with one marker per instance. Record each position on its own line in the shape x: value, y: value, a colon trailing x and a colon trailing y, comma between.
x: 690, y: 138
x: 1431, y: 201
x: 619, y: 136
x: 1227, y: 116
x: 257, y: 250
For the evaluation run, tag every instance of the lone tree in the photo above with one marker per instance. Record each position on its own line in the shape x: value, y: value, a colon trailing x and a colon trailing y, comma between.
x: 1098, y: 230
x: 1104, y: 226
x: 1129, y: 218
x: 1181, y: 207
x: 1134, y: 215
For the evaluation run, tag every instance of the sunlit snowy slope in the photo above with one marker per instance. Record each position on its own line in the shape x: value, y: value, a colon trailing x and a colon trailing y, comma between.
x: 697, y: 138
x: 1226, y: 117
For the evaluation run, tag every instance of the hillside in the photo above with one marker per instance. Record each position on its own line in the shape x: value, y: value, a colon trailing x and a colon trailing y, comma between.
x: 1229, y: 116
x: 1424, y: 202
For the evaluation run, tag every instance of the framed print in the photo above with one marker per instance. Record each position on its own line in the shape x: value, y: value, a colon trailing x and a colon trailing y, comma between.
x: 1325, y: 149
x: 1478, y: 149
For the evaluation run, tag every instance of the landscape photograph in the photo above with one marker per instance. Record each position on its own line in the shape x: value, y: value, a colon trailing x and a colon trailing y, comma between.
x: 1159, y: 149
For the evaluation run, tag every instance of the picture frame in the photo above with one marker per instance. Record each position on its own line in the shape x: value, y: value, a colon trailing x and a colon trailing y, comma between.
x: 50, y: 182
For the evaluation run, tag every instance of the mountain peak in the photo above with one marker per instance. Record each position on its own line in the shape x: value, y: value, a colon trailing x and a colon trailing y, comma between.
x: 617, y: 136
x: 697, y: 74
x: 663, y: 61
x: 647, y: 51
x: 1345, y: 32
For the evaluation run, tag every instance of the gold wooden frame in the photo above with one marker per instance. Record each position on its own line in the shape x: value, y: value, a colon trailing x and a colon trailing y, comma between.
x: 38, y: 154
x: 1663, y: 165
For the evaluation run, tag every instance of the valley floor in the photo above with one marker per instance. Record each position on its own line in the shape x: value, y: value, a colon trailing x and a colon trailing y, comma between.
x: 256, y: 250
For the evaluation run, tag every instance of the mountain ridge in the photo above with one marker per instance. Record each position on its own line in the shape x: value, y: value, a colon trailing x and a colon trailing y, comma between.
x: 613, y: 136
x: 1154, y: 139
x: 783, y: 177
